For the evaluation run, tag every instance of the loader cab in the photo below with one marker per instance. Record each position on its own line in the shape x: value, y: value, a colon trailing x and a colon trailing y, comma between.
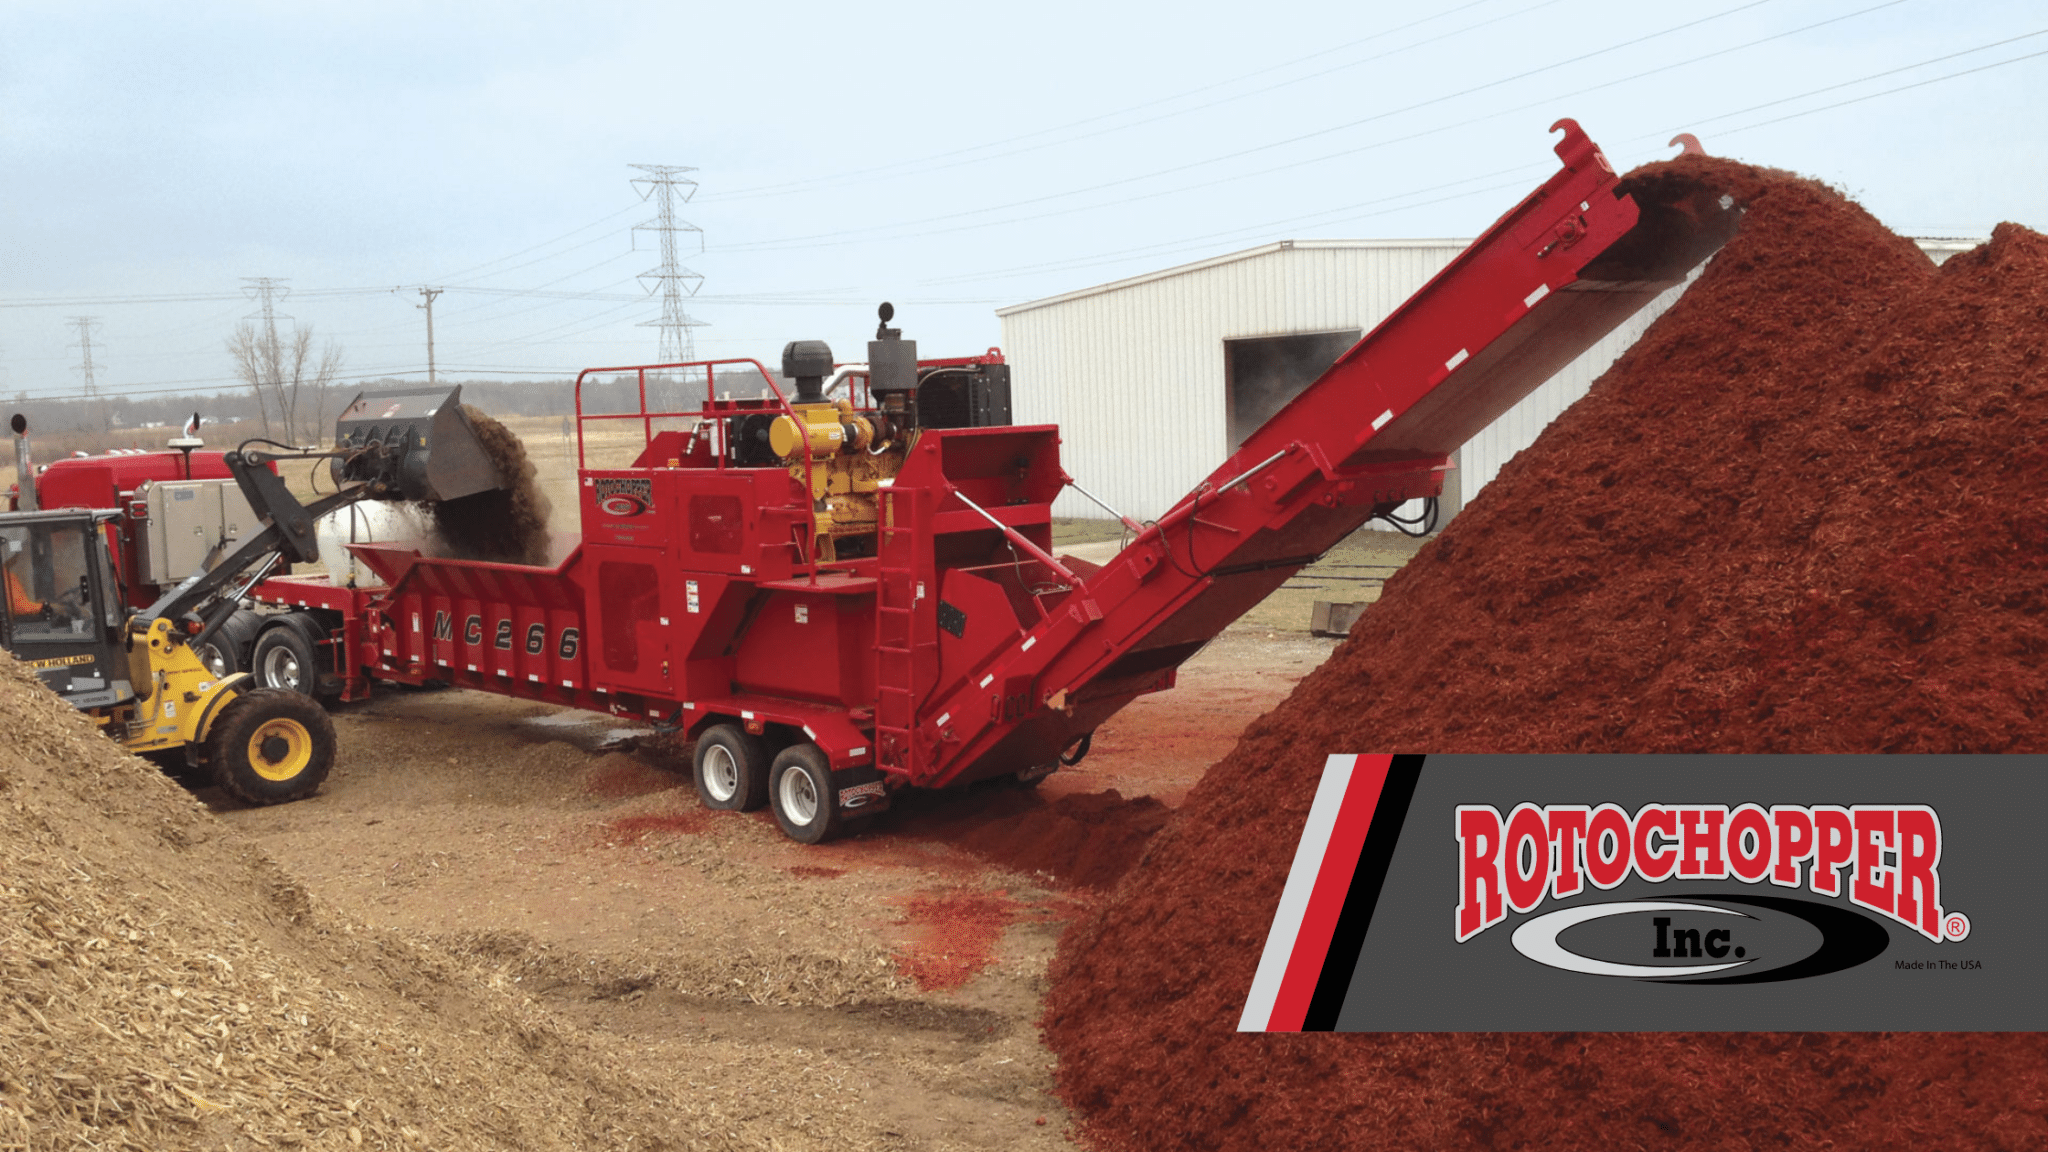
x: 62, y: 614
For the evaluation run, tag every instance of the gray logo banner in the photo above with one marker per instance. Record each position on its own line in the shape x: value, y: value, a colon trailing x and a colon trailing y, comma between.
x: 1521, y: 896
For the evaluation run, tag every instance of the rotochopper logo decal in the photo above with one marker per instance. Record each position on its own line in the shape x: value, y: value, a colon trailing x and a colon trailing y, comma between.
x: 1893, y: 853
x: 624, y: 496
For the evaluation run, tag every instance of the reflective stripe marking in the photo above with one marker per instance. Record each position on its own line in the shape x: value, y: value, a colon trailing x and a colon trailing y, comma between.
x: 943, y: 717
x: 1301, y: 880
x: 746, y: 715
x: 1380, y: 421
x: 1460, y: 358
x: 860, y: 751
x: 986, y: 679
x: 1028, y: 642
x: 1541, y: 291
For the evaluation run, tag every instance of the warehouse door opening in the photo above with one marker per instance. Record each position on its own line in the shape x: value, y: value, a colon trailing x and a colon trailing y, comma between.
x: 1261, y: 375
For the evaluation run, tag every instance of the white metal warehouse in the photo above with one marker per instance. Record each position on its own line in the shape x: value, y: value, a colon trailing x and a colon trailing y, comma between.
x: 1153, y: 380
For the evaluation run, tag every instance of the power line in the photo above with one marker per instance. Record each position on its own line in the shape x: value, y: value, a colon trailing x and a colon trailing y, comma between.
x: 1182, y: 245
x: 605, y: 219
x: 1435, y: 131
x: 168, y: 298
x: 1874, y: 76
x: 918, y: 167
x: 807, y: 241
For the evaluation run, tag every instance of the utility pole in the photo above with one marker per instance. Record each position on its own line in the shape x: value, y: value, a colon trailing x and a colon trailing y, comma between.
x: 86, y: 325
x: 430, y: 293
x: 667, y: 186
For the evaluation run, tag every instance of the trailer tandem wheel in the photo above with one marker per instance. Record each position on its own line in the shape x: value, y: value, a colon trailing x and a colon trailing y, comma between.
x: 227, y: 651
x: 285, y: 656
x: 270, y: 746
x: 800, y: 789
x: 730, y: 768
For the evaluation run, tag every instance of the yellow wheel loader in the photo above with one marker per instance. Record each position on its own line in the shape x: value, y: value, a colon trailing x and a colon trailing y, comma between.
x: 143, y: 676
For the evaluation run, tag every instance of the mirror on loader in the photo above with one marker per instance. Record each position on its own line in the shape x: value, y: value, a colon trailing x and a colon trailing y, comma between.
x: 412, y: 444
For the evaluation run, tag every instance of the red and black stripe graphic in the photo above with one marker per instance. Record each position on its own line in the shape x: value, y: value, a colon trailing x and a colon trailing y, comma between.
x: 1331, y: 894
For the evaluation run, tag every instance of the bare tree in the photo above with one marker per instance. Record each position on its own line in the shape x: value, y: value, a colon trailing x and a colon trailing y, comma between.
x: 290, y: 383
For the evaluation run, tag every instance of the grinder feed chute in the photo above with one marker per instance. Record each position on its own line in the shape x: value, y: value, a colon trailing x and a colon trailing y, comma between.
x: 412, y: 444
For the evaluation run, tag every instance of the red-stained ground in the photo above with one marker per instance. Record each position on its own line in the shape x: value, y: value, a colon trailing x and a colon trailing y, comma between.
x: 1804, y: 513
x: 953, y: 936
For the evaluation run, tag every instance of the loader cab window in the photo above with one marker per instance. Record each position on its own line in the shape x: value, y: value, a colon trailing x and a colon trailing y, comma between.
x: 47, y: 569
x: 1261, y: 375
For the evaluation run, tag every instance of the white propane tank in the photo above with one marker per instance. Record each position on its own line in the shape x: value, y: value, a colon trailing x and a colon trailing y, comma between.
x: 365, y: 522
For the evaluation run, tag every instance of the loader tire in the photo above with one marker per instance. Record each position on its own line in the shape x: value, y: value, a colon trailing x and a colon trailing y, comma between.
x: 800, y: 790
x: 270, y: 746
x: 285, y: 657
x: 730, y: 768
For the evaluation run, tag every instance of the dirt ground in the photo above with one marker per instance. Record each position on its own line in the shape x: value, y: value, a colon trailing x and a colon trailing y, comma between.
x: 891, y: 980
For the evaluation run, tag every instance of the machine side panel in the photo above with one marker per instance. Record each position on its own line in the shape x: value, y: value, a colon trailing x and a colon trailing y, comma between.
x: 814, y: 646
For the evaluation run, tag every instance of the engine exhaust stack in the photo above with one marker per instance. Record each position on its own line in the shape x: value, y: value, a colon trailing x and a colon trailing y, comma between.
x: 24, y: 468
x: 412, y: 444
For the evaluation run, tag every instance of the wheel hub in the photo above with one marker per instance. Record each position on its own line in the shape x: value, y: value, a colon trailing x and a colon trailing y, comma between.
x: 721, y: 774
x: 280, y: 749
x: 799, y: 796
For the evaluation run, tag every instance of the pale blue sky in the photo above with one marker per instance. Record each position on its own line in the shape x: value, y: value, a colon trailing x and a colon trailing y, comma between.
x: 950, y: 158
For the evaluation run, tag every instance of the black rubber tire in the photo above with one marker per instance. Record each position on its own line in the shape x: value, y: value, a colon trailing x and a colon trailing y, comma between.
x: 801, y: 792
x: 730, y: 768
x: 284, y: 657
x: 270, y: 746
x: 229, y: 649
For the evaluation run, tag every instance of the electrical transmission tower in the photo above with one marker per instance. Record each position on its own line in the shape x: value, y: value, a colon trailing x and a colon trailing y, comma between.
x: 266, y: 290
x: 269, y: 366
x: 89, y: 385
x: 667, y: 186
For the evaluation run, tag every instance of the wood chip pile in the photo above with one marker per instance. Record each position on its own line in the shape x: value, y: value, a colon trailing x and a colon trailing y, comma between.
x: 163, y: 985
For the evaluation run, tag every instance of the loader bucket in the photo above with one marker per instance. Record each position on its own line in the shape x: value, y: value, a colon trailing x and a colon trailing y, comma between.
x: 412, y: 444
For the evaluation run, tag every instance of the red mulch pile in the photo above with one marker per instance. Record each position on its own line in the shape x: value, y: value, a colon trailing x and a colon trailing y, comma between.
x: 1804, y: 513
x: 1086, y: 840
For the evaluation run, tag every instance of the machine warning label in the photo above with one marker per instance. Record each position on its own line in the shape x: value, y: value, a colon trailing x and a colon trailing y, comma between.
x: 1650, y: 893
